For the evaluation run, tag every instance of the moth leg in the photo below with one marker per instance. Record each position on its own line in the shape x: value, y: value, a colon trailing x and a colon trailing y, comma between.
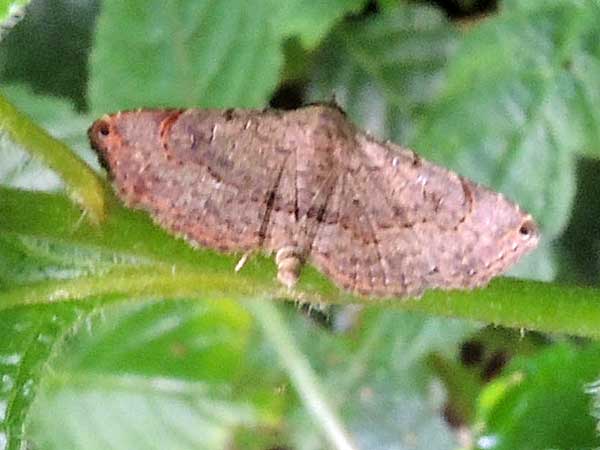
x: 240, y: 264
x: 289, y: 260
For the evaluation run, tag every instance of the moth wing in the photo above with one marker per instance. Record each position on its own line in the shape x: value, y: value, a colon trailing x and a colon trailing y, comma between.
x: 397, y: 225
x: 208, y: 175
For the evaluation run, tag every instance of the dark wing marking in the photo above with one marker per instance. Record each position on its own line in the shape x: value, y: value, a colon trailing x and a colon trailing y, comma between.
x: 426, y: 226
x: 395, y: 225
x: 346, y: 247
x: 211, y: 176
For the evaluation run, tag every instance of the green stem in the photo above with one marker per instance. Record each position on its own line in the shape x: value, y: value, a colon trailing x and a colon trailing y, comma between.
x: 173, y: 270
x: 147, y: 281
x: 525, y: 304
x: 83, y: 185
x: 301, y: 374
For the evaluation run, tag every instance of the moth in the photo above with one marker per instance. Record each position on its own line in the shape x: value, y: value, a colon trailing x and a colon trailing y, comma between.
x: 308, y: 186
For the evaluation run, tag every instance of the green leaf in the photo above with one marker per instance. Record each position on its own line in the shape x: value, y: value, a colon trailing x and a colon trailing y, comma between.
x: 310, y: 20
x: 378, y: 377
x: 29, y: 260
x: 390, y: 393
x: 509, y: 116
x: 183, y: 53
x: 166, y: 370
x: 57, y: 116
x: 584, y: 66
x: 28, y: 339
x: 101, y: 413
x: 170, y: 339
x: 385, y: 69
x: 48, y: 50
x: 185, y: 372
x: 170, y: 374
x: 11, y: 13
x: 540, y: 402
x: 199, y: 53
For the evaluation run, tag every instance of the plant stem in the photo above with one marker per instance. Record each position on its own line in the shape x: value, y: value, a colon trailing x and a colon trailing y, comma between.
x: 83, y: 185
x: 301, y: 374
x: 530, y: 305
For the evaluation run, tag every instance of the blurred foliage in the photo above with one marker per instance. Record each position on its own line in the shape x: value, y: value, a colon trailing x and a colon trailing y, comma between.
x: 11, y: 13
x: 534, y: 399
x: 49, y: 48
x: 507, y: 95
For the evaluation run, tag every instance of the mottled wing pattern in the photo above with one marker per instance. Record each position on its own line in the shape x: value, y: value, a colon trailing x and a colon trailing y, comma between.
x: 398, y: 224
x: 209, y: 175
x: 228, y: 171
x: 345, y: 246
x: 307, y: 184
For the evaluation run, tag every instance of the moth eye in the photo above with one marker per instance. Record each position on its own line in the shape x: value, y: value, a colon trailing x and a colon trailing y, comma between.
x: 103, y: 129
x: 527, y: 229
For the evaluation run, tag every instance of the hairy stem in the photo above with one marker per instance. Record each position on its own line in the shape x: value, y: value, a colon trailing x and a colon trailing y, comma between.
x: 301, y: 374
x: 83, y: 185
x: 167, y: 267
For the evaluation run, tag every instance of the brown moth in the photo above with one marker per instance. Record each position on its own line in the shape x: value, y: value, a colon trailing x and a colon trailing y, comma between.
x: 309, y: 186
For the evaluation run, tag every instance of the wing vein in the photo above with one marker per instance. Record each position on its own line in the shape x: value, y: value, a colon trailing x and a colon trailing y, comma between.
x: 380, y: 258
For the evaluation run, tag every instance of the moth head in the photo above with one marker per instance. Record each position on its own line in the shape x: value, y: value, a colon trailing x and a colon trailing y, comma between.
x: 117, y: 137
x: 100, y: 136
